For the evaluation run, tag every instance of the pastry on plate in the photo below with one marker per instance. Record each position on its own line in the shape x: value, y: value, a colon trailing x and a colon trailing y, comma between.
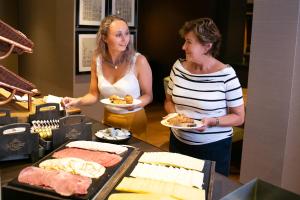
x: 115, y: 99
x: 181, y: 120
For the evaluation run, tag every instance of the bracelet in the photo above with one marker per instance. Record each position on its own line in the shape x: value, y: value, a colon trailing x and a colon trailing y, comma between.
x: 217, y: 121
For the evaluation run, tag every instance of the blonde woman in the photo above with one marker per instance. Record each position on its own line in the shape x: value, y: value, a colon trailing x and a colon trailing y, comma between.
x: 117, y: 69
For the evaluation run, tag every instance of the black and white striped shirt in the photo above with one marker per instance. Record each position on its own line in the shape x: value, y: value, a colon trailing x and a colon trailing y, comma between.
x: 204, y: 95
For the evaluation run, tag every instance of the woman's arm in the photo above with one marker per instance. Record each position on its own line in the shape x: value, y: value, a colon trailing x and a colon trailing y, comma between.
x: 235, y: 117
x: 169, y: 105
x: 144, y: 75
x: 92, y: 96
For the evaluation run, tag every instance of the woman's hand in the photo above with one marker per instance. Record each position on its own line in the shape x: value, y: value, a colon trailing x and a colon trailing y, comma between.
x: 207, y: 122
x: 170, y: 115
x: 68, y: 102
x: 130, y: 108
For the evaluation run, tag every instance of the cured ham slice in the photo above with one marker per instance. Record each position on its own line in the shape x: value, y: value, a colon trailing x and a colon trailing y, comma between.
x: 63, y: 183
x: 74, y: 166
x: 103, y: 158
x: 98, y: 146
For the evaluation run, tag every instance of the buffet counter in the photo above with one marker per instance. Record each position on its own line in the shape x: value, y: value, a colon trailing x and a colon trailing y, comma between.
x: 20, y: 109
x: 221, y: 184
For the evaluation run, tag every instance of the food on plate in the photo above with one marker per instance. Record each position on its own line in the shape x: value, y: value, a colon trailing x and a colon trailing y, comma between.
x: 172, y: 159
x: 115, y: 99
x: 143, y: 185
x: 181, y: 120
x: 138, y: 196
x: 103, y: 158
x: 119, y: 101
x: 61, y: 182
x: 113, y: 134
x: 74, y: 166
x: 182, y: 176
x: 128, y: 99
x: 98, y: 146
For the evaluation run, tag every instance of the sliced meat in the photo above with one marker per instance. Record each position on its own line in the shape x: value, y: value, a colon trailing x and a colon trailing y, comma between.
x: 26, y: 176
x: 63, y: 183
x: 103, y: 158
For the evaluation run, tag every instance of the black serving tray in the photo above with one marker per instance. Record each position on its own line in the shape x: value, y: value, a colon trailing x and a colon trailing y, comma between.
x: 16, y: 190
x: 208, y: 179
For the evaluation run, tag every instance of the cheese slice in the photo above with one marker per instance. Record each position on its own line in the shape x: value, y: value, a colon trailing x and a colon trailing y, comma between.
x: 137, y: 196
x: 142, y: 185
x: 170, y: 174
x: 98, y: 146
x: 172, y: 159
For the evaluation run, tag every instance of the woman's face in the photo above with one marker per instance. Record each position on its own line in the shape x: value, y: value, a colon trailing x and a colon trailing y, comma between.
x: 118, y: 36
x: 194, y: 50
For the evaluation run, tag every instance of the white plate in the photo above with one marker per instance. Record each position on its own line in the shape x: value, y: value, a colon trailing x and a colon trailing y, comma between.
x: 103, y: 136
x: 108, y: 102
x: 165, y: 123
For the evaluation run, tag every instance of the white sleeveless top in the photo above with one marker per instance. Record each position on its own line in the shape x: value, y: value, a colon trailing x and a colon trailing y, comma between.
x: 128, y: 84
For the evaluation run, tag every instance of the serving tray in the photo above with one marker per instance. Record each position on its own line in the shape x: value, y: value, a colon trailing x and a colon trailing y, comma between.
x: 99, y: 189
x: 208, y: 179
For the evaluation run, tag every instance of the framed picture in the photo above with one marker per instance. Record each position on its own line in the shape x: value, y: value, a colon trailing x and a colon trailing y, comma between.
x: 85, y: 46
x: 133, y: 38
x: 126, y: 9
x: 90, y: 12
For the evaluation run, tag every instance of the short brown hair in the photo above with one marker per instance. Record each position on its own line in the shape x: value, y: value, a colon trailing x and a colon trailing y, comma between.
x: 102, y: 48
x: 206, y: 31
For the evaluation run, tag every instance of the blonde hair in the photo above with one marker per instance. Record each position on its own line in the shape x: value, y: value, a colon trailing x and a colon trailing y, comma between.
x: 102, y: 48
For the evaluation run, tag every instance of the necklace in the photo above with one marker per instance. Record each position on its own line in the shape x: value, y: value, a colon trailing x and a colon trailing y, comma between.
x: 114, y: 65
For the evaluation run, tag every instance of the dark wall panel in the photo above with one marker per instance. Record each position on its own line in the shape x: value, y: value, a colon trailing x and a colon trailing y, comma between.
x: 158, y: 26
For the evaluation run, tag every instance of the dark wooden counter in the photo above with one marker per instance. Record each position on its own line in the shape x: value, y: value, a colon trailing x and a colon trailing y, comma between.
x: 221, y: 185
x: 20, y: 109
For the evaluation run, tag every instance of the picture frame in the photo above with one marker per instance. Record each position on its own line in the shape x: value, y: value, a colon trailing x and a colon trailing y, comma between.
x: 133, y: 37
x: 90, y: 12
x: 85, y: 46
x: 127, y: 9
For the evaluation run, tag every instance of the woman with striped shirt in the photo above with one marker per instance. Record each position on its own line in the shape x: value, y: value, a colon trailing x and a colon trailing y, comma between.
x: 203, y: 88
